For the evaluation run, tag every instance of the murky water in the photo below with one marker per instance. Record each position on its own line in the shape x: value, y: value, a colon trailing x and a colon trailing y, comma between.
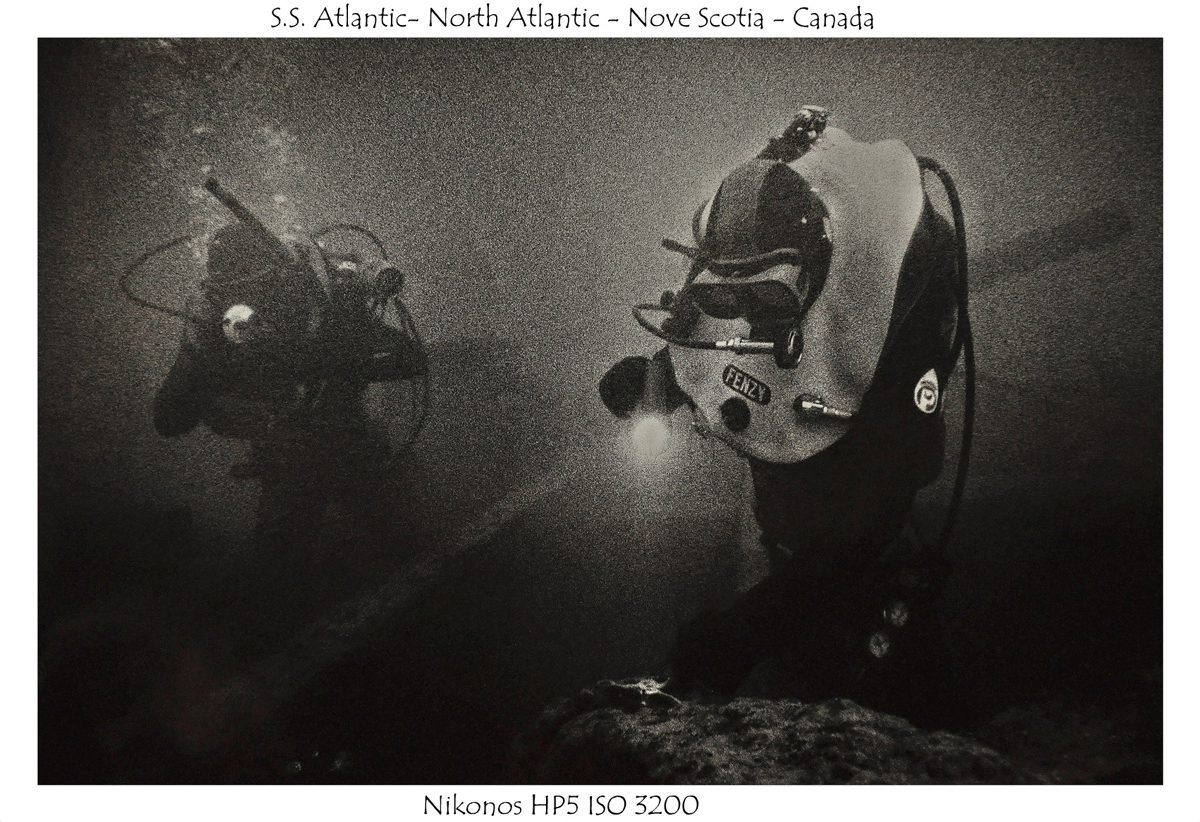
x: 525, y: 187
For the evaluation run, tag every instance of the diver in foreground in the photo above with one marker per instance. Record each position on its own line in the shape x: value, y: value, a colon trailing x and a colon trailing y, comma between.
x: 280, y: 344
x: 823, y: 311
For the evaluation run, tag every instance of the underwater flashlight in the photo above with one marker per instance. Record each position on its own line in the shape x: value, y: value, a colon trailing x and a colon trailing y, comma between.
x: 650, y: 434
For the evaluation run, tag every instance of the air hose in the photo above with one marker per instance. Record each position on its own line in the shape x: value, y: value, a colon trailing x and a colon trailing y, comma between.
x: 964, y: 343
x: 135, y: 266
x: 639, y: 315
x: 420, y: 397
x: 351, y: 228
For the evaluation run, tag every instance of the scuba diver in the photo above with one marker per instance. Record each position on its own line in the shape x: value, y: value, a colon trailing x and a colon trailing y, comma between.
x: 280, y: 345
x: 822, y: 313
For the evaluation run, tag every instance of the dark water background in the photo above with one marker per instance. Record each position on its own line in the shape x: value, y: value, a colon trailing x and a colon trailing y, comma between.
x: 526, y: 185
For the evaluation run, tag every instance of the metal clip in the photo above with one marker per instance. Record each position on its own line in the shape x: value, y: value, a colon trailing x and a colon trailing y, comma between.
x: 810, y: 406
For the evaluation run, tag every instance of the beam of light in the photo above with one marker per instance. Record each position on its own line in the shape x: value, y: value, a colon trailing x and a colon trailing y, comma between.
x: 650, y: 434
x: 276, y: 678
x: 1030, y: 250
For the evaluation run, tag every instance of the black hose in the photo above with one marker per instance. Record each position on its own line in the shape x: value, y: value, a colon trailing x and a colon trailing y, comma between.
x: 353, y: 228
x: 963, y: 340
x: 142, y: 259
x: 421, y: 402
x: 420, y: 399
x: 700, y: 345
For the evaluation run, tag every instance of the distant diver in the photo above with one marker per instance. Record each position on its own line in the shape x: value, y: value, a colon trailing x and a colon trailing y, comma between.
x: 822, y: 314
x: 281, y: 341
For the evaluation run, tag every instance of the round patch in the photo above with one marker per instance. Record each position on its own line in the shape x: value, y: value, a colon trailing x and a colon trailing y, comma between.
x: 925, y: 395
x: 237, y: 323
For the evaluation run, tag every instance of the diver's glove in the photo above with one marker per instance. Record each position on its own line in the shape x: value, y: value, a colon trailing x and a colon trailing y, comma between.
x: 621, y: 388
x: 641, y: 382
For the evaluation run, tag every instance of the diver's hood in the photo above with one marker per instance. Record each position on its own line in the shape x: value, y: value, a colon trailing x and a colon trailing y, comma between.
x: 873, y: 198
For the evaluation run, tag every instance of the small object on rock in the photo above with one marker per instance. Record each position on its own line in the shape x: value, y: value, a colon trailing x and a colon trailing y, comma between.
x: 896, y: 614
x: 631, y: 696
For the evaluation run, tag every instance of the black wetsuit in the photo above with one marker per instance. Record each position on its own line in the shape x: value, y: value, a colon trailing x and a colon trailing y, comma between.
x: 836, y: 525
x: 295, y: 396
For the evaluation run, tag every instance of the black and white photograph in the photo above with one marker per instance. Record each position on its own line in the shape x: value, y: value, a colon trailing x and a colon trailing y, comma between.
x: 668, y: 412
